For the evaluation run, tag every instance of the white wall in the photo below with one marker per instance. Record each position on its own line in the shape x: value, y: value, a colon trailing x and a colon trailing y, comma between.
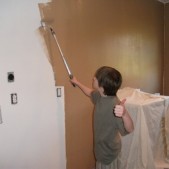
x: 32, y: 133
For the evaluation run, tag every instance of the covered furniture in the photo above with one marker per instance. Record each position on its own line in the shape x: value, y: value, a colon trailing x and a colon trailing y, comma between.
x: 148, y: 146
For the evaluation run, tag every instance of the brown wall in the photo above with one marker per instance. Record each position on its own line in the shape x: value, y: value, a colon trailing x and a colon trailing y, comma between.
x: 166, y: 51
x: 127, y: 35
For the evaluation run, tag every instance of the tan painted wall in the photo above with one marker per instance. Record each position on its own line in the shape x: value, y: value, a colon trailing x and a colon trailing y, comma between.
x: 127, y: 35
x: 166, y: 51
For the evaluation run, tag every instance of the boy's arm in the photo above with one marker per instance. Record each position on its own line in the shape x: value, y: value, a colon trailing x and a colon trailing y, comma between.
x: 87, y: 91
x: 120, y: 111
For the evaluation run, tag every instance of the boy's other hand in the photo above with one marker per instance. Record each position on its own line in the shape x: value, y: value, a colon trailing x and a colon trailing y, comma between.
x: 119, y: 109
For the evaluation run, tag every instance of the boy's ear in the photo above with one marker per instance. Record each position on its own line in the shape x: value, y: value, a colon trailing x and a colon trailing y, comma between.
x: 102, y: 89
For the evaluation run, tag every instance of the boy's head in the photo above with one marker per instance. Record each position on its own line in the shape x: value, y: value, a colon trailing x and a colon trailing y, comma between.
x: 109, y: 79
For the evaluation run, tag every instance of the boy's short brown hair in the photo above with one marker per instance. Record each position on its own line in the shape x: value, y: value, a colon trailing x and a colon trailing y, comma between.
x: 110, y: 79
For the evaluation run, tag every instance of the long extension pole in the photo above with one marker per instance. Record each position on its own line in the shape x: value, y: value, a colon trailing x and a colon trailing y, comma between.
x: 60, y: 50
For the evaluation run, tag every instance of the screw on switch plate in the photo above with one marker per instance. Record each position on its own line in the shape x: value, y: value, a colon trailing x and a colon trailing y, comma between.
x: 14, y: 99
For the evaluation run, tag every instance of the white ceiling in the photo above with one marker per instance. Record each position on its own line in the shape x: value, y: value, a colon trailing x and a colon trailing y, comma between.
x: 164, y: 1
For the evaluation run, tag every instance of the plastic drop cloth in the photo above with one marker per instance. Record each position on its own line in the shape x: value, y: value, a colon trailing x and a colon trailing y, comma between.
x: 148, y: 146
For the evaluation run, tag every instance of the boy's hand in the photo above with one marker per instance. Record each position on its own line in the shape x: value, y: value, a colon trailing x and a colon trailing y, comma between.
x: 119, y: 109
x: 73, y: 80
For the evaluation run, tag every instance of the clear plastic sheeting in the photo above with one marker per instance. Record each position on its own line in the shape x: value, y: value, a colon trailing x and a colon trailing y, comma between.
x: 148, y: 146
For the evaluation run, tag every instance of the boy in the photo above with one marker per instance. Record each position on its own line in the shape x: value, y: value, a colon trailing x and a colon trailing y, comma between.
x: 110, y: 116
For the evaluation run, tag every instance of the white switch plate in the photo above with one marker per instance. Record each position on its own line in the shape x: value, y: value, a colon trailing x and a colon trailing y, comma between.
x: 14, y: 98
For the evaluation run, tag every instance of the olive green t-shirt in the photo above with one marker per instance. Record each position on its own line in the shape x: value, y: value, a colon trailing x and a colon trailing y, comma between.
x: 107, y: 128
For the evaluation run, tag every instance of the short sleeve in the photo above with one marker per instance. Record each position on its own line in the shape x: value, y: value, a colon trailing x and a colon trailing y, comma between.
x: 95, y: 96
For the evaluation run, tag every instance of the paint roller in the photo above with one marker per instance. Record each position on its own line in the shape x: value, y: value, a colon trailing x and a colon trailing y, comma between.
x: 47, y: 27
